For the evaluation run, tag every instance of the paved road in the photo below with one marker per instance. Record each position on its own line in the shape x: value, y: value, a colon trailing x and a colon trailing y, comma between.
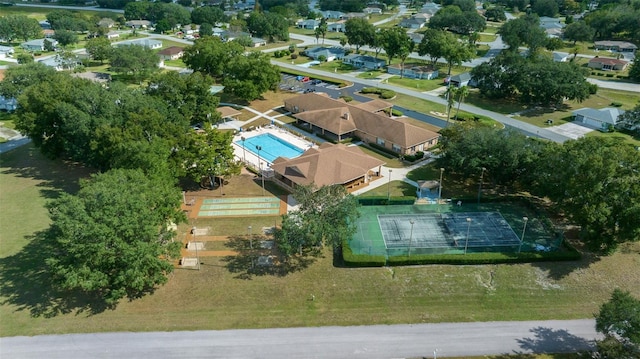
x: 93, y: 8
x: 371, y: 342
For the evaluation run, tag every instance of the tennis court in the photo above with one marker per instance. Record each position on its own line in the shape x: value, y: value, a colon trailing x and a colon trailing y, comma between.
x: 406, y: 230
x: 240, y: 206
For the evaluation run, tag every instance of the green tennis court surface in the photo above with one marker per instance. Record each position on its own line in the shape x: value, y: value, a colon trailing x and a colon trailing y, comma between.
x: 245, y: 206
x: 422, y: 229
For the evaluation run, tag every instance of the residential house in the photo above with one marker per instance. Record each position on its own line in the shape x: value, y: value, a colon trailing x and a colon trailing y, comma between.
x: 415, y: 37
x: 330, y: 14
x: 364, y: 61
x: 48, y: 33
x: 190, y: 30
x: 336, y: 26
x: 429, y: 8
x: 602, y: 119
x: 257, y: 42
x: 37, y: 45
x: 6, y: 51
x: 101, y: 77
x: 414, y: 71
x: 309, y: 24
x: 329, y: 53
x: 353, y: 15
x: 232, y: 35
x: 618, y: 46
x: 45, y: 25
x: 368, y: 121
x: 606, y: 63
x: 372, y: 10
x: 60, y: 64
x: 171, y: 53
x: 148, y: 43
x: 105, y: 22
x: 552, y: 26
x: 460, y: 80
x: 413, y: 23
x: 112, y: 35
x: 218, y: 31
x: 560, y: 57
x: 138, y: 24
x: 8, y: 104
x: 329, y: 164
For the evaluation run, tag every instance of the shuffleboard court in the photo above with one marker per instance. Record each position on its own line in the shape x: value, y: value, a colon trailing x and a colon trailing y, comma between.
x: 240, y: 206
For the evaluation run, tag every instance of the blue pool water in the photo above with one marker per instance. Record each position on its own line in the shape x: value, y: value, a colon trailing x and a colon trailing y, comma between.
x: 272, y: 147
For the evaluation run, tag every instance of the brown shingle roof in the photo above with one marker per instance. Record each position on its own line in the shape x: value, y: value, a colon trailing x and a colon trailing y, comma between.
x: 375, y: 105
x: 378, y: 125
x: 607, y: 61
x: 173, y: 50
x: 327, y: 165
x: 337, y: 120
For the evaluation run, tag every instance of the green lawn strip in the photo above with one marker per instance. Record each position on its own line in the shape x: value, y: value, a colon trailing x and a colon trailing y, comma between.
x: 626, y: 138
x: 390, y: 24
x: 377, y: 17
x: 394, y: 188
x: 220, y: 297
x: 418, y: 85
x: 486, y: 38
x: 390, y: 162
x: 175, y: 63
x: 335, y: 66
x: 301, y: 59
x: 40, y: 13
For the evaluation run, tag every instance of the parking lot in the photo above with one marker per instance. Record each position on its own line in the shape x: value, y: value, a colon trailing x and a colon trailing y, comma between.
x: 303, y: 84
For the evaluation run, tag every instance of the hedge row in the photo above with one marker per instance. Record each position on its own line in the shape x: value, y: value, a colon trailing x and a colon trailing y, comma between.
x: 383, y: 200
x: 382, y: 93
x: 365, y: 260
x: 412, y: 158
x: 383, y: 150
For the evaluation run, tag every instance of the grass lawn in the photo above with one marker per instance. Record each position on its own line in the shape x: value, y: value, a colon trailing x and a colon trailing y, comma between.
x: 40, y: 13
x: 487, y: 37
x: 221, y: 296
x: 335, y: 66
x: 175, y: 63
x: 301, y: 59
x: 419, y: 85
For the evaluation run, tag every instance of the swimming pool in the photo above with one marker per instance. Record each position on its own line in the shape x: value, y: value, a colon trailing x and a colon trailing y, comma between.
x: 272, y: 147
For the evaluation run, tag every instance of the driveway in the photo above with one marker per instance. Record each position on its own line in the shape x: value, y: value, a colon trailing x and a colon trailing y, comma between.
x: 572, y: 130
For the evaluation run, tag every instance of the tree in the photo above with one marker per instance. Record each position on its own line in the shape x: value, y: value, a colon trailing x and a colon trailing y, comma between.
x: 24, y: 58
x: 18, y: 78
x: 206, y: 29
x: 248, y: 77
x: 605, y: 199
x: 456, y: 52
x: 434, y: 43
x: 619, y: 321
x: 461, y: 92
x: 321, y: 30
x: 326, y: 215
x: 189, y: 95
x: 209, y: 155
x: 99, y: 48
x: 545, y: 8
x: 359, y: 32
x: 496, y: 14
x: 210, y: 55
x: 396, y: 42
x: 554, y: 43
x: 269, y: 26
x: 631, y: 118
x: 133, y: 60
x: 19, y: 27
x: 512, y: 158
x: 634, y: 71
x: 67, y: 20
x: 452, y: 18
x: 208, y: 14
x: 578, y: 31
x: 137, y: 10
x: 523, y: 31
x: 65, y: 37
x: 111, y: 239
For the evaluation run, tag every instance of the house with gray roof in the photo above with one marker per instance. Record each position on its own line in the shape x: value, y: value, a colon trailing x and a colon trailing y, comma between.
x: 551, y: 26
x: 414, y: 71
x: 463, y: 79
x: 413, y: 23
x: 336, y: 26
x: 618, y: 46
x: 138, y: 24
x: 8, y: 104
x: 330, y: 14
x: 309, y: 24
x: 6, y: 50
x: 329, y: 53
x: 372, y: 10
x: 148, y: 43
x: 602, y: 119
x: 364, y: 61
x: 37, y: 45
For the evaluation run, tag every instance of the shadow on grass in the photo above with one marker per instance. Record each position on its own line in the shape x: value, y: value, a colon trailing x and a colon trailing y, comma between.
x: 28, y: 286
x: 255, y: 258
x: 547, y: 340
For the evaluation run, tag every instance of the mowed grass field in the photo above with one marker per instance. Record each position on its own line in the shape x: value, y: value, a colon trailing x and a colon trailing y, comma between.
x: 223, y: 295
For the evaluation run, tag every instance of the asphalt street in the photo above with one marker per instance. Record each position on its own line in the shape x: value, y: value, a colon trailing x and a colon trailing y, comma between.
x: 370, y: 342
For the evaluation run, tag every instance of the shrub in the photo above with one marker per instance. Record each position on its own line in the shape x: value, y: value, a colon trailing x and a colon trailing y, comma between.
x: 346, y: 98
x: 368, y: 90
x: 322, y: 58
x: 616, y: 104
x: 396, y: 113
x: 609, y: 75
x: 294, y: 56
x: 593, y: 89
x: 387, y: 94
x: 384, y: 94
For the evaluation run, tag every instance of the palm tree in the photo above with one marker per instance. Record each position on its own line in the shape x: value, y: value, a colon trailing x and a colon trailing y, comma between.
x: 462, y: 92
x: 450, y: 100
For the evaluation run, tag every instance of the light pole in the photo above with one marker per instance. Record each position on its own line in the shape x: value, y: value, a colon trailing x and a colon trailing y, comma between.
x: 249, y: 234
x: 524, y: 228
x: 411, y: 235
x: 262, y: 176
x: 466, y: 242
x: 259, y: 148
x: 440, y: 185
x: 195, y: 243
x: 244, y: 154
x: 389, y: 187
x: 480, y: 186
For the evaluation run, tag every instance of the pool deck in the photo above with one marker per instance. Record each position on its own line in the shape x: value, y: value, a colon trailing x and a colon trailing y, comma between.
x: 252, y: 159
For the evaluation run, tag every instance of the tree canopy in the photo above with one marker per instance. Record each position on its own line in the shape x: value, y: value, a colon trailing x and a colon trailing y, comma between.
x: 99, y: 48
x: 523, y: 31
x: 454, y: 19
x: 270, y: 26
x: 111, y: 239
x: 19, y: 27
x: 359, y: 32
x: 619, y: 321
x: 578, y: 31
x: 135, y: 61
